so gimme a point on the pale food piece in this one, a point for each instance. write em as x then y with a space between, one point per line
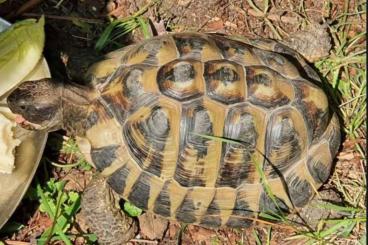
7 141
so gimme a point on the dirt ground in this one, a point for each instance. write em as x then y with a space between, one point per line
72 29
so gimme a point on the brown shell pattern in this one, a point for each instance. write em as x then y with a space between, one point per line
256 100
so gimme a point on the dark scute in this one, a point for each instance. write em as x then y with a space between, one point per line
254 80
312 73
185 213
263 79
231 174
238 222
322 119
132 83
318 170
180 73
155 129
240 215
241 208
117 179
151 47
267 205
225 44
304 69
211 221
300 191
189 44
187 178
114 108
176 79
104 156
212 216
199 123
140 192
334 142
317 120
270 104
270 58
92 119
162 204
158 123
225 74
217 73
279 135
243 131
213 208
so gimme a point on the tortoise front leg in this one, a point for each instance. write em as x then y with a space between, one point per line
100 207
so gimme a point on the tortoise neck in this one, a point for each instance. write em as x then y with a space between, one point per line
76 100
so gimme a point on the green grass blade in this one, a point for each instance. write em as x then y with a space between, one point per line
144 25
256 237
102 41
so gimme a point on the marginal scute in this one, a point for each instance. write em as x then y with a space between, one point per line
181 80
185 213
236 51
196 46
195 204
273 205
117 180
220 208
140 192
162 204
154 52
103 157
319 162
224 81
242 215
299 188
333 135
278 63
267 88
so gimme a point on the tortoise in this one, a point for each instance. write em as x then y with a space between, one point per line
192 127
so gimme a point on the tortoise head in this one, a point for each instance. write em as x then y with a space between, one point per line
38 104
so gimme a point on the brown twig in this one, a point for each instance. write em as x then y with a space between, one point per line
24 8
144 241
68 18
10 242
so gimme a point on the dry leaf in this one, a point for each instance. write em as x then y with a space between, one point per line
152 226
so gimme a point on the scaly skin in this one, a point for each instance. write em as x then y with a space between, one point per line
100 207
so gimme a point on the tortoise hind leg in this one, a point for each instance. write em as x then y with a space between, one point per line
100 207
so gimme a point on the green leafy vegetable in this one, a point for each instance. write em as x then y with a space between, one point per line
20 50
132 210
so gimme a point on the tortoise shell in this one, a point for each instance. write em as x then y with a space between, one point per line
188 125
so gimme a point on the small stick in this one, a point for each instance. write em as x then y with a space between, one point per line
9 242
25 7
143 241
